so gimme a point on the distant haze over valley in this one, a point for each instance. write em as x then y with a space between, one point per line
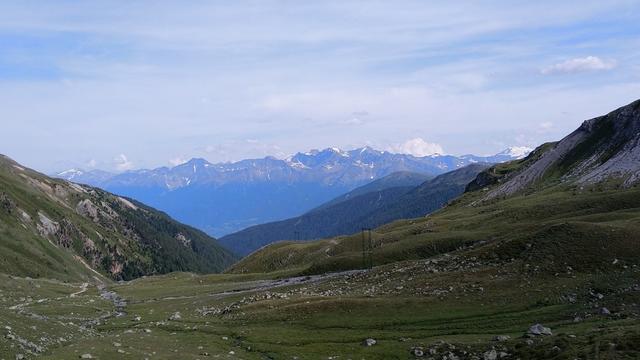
226 197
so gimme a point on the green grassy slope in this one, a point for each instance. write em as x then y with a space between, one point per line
452 306
554 220
55 229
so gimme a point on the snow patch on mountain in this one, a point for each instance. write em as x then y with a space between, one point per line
339 152
70 174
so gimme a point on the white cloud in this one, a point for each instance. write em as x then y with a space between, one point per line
179 160
546 125
357 118
235 150
353 121
571 66
519 152
122 163
417 147
92 163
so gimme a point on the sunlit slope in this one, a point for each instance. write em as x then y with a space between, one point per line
56 229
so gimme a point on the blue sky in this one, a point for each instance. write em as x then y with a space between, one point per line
128 84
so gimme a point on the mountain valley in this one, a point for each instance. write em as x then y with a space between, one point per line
319 180
537 259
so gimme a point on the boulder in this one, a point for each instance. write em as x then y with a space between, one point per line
490 355
538 330
369 342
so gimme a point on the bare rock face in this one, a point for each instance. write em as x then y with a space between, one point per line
116 268
603 148
60 191
47 227
88 209
186 242
619 152
624 165
63 233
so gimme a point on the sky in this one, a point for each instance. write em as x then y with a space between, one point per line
120 85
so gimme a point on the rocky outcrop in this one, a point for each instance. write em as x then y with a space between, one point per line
618 153
6 203
601 149
46 226
88 209
186 242
538 329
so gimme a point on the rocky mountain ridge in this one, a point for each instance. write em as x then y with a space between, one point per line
604 150
330 166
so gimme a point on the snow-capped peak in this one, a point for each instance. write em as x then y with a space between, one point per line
367 149
71 173
517 152
339 151
294 163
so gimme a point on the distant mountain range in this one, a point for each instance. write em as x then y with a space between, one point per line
400 195
226 197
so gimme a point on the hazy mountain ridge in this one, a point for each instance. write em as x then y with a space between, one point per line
227 197
400 179
330 166
390 198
